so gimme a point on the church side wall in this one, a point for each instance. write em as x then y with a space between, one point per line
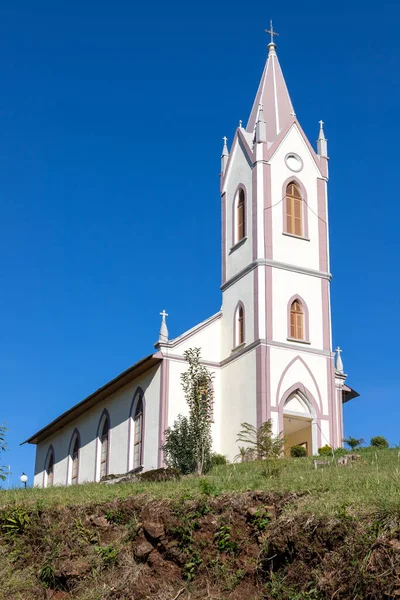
177 404
206 337
118 406
238 400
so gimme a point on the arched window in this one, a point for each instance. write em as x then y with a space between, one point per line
241 216
49 469
75 460
138 434
239 326
104 447
294 210
296 321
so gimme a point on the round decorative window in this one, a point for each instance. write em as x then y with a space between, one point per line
294 162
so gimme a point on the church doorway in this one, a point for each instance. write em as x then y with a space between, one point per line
299 424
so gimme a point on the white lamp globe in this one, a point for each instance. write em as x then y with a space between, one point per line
24 478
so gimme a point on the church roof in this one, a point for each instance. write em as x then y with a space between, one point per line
349 393
106 390
273 97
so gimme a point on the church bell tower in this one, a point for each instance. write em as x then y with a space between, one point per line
277 359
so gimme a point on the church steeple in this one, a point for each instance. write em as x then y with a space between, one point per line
322 142
273 95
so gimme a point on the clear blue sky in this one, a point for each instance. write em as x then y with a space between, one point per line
111 119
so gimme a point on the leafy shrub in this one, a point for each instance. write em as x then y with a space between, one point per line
224 541
188 443
273 468
207 487
108 554
379 442
353 442
261 439
14 522
114 516
47 576
325 450
179 447
218 459
298 451
190 568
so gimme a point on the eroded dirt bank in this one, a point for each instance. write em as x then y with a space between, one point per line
240 546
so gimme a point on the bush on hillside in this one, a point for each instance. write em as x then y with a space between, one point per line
353 442
179 448
218 459
298 451
325 450
261 440
379 442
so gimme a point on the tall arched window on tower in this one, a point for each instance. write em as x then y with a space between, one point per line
296 321
138 434
239 325
104 447
75 460
241 225
294 210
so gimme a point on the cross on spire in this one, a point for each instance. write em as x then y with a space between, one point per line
271 31
164 314
225 139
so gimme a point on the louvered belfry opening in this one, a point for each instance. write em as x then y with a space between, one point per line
294 212
296 321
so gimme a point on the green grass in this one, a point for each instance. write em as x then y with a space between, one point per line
373 483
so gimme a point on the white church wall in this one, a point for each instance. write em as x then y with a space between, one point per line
206 337
238 400
118 406
177 404
242 291
325 438
285 285
288 249
240 173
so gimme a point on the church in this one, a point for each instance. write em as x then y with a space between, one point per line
269 347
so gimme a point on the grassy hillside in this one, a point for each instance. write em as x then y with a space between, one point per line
249 530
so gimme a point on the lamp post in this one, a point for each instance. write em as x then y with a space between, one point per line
24 479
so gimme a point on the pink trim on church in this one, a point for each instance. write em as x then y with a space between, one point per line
163 419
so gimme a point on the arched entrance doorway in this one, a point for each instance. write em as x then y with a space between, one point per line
299 424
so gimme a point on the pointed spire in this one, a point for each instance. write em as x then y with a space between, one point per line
225 155
339 362
163 335
261 131
322 142
273 95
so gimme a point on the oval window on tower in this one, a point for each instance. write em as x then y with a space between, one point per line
294 162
